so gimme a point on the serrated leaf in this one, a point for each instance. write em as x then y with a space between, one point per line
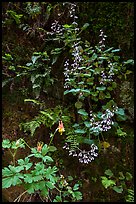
6 143
7 182
49 184
77 195
6 172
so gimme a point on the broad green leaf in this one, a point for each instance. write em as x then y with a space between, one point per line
52 148
37 178
128 176
34 58
130 61
85 26
121 176
7 182
80 131
107 182
6 172
44 150
49 184
87 124
117 189
77 195
82 112
120 111
28 178
88 141
76 187
47 158
78 104
101 88
6 143
108 172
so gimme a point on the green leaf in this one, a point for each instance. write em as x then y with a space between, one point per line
78 104
130 61
6 172
76 187
88 141
44 150
117 189
80 131
128 176
7 182
108 50
28 178
6 143
57 199
82 112
47 158
52 148
37 178
109 173
121 177
85 26
87 124
77 195
34 58
107 182
120 111
49 184
116 50
101 88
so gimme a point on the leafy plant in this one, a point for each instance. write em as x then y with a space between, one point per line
118 184
37 174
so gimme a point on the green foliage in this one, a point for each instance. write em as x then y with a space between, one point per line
130 196
38 175
117 183
47 117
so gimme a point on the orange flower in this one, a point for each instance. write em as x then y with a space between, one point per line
61 127
39 146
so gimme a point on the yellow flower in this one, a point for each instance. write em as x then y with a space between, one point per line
61 127
39 146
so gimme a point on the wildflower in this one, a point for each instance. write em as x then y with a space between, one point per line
61 127
39 146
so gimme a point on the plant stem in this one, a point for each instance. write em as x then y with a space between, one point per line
52 136
19 197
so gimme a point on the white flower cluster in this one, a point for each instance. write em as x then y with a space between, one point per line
102 39
109 76
56 28
104 124
83 155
